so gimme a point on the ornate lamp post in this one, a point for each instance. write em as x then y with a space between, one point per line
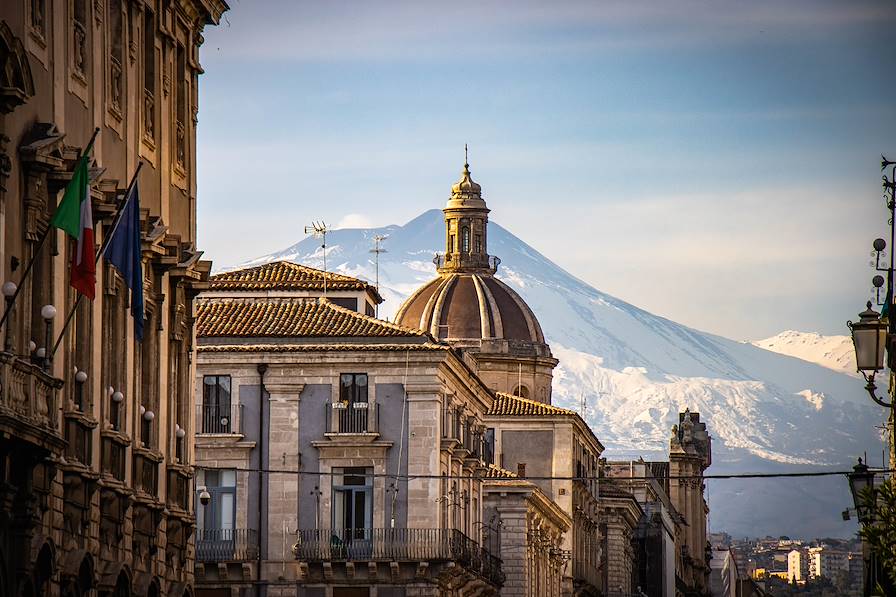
872 335
861 485
875 332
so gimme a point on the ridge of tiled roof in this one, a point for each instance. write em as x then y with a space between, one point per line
316 347
494 471
284 275
289 317
508 404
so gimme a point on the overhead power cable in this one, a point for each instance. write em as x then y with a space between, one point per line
408 477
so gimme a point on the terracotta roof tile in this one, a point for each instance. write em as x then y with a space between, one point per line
285 275
332 347
507 404
289 318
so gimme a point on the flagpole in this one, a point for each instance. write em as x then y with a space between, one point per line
40 244
106 240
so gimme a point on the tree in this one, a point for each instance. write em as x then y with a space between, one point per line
880 533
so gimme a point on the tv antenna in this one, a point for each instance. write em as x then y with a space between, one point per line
320 229
376 250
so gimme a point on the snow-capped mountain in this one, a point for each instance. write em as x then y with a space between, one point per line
833 352
635 371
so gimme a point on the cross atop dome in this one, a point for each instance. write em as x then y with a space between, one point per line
466 192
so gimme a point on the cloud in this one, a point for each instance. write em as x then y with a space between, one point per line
354 221
462 30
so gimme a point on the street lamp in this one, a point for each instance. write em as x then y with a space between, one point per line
48 312
861 484
869 337
9 291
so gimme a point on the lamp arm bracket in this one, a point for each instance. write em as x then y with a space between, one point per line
871 388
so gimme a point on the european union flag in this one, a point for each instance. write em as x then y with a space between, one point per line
123 252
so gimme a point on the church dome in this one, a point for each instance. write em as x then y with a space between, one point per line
463 307
467 306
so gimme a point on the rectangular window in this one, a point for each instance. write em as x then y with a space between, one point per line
79 37
39 17
216 537
353 502
181 109
216 404
353 411
353 387
116 56
149 73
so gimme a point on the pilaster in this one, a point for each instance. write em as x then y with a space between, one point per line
282 464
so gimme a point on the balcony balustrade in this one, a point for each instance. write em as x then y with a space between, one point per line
353 417
28 395
146 474
395 545
226 545
80 442
443 261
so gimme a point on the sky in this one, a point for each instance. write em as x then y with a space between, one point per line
716 163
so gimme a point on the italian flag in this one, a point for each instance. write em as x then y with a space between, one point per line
75 216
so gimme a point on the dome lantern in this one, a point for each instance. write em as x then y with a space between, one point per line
466 228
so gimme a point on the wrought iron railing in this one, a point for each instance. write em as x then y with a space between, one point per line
390 545
146 474
113 458
226 545
80 442
471 259
353 417
219 418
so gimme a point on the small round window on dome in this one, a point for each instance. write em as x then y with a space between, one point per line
521 391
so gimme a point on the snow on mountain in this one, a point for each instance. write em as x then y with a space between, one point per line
635 371
833 352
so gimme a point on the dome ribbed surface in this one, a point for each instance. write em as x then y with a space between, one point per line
470 306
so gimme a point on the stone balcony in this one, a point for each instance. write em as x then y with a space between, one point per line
397 556
29 400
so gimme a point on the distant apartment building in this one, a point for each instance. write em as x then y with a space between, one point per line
797 566
828 562
723 575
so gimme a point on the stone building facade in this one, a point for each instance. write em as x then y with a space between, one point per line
94 445
528 529
561 454
690 453
342 455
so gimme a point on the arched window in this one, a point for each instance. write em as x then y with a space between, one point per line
521 391
465 239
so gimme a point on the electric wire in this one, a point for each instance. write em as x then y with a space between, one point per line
800 474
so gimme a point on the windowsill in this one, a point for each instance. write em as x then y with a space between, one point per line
82 417
116 436
148 453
